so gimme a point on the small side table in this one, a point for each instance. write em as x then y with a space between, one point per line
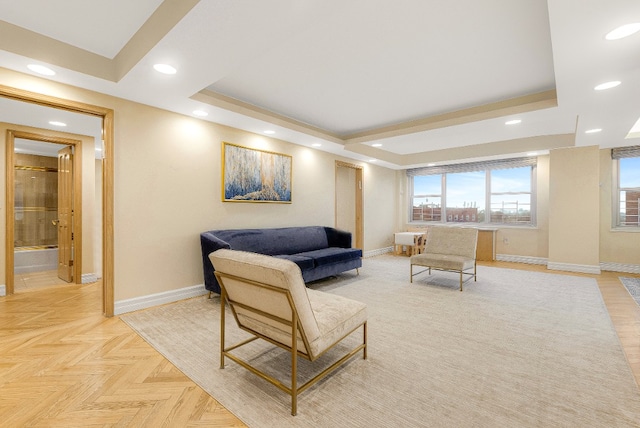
409 240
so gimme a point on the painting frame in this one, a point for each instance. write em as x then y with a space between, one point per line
254 175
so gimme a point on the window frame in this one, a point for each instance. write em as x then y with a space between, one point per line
616 155
486 168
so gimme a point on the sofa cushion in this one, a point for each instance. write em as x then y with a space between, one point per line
276 241
304 263
327 256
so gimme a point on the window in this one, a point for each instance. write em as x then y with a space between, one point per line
627 194
480 192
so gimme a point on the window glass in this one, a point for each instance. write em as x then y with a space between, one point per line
427 199
629 192
465 195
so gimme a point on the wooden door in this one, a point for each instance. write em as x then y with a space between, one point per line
65 214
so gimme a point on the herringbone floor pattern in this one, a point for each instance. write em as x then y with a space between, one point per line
62 364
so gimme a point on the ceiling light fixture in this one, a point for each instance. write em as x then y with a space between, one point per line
373 160
165 69
593 131
430 164
532 154
269 132
513 122
41 69
317 145
607 85
56 123
200 113
623 31
376 145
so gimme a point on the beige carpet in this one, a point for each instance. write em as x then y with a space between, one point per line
515 349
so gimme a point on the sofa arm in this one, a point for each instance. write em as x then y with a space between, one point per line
338 238
210 243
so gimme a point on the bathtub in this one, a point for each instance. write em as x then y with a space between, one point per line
36 260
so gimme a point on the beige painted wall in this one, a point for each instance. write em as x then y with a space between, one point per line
88 192
167 190
574 206
616 246
380 207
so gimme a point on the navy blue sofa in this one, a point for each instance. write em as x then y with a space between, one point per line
319 251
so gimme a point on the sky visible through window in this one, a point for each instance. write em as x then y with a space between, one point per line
630 172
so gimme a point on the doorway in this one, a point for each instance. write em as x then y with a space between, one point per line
43 202
106 117
349 201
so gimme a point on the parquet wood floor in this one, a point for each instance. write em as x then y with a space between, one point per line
63 364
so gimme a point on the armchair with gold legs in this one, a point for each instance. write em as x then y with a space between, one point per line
268 299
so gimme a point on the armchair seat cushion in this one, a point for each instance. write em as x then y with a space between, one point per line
336 316
443 261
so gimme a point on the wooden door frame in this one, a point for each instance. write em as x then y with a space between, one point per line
359 238
107 116
12 134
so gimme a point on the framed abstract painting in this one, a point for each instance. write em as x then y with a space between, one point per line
251 175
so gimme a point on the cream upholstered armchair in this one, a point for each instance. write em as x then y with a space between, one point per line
269 299
449 249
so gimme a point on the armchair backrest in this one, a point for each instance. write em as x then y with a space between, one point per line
458 241
262 292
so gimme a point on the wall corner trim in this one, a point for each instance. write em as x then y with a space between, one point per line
570 267
144 302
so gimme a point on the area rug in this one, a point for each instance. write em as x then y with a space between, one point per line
515 349
633 287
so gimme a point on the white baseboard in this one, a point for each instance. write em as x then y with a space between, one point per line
3 290
570 267
88 278
377 252
144 302
521 259
619 267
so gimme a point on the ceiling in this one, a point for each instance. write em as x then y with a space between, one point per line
426 81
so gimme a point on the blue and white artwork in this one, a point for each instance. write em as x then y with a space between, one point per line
251 175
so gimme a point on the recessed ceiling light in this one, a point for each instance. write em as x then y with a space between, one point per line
607 85
41 69
376 145
56 123
532 154
513 122
623 31
200 113
373 160
269 132
165 69
430 164
317 145
593 131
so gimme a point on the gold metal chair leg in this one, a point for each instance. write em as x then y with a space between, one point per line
222 320
294 369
